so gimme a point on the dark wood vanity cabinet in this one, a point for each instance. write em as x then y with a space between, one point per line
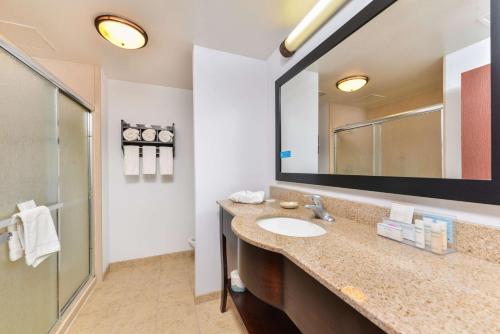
281 297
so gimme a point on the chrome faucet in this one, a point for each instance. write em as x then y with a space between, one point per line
318 209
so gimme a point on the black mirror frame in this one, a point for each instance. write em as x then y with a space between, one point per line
478 191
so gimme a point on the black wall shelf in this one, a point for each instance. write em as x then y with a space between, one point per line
156 142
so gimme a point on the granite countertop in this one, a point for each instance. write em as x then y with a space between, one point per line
400 288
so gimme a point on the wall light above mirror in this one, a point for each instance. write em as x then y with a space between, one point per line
425 115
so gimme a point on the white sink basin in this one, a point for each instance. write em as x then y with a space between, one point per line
291 227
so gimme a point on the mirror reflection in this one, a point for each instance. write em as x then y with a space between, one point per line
408 94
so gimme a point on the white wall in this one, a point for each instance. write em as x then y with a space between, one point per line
105 173
234 145
456 63
299 123
277 66
149 215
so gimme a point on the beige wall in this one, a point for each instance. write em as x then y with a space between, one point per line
423 99
342 115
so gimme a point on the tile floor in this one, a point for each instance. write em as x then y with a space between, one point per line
153 295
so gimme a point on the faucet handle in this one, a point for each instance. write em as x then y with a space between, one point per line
316 199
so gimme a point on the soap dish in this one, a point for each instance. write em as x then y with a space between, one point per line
289 205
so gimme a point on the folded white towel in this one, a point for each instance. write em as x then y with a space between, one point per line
248 197
165 136
236 282
148 135
166 161
37 234
16 250
131 160
148 160
131 134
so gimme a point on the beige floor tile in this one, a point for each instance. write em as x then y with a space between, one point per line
212 321
152 296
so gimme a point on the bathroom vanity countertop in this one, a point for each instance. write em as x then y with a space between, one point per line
400 288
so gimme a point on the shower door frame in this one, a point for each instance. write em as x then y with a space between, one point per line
376 123
66 312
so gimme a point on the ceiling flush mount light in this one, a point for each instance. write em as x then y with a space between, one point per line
317 16
353 83
121 32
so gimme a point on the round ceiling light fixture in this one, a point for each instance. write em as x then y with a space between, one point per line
352 83
121 32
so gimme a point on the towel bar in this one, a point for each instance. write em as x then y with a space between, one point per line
6 222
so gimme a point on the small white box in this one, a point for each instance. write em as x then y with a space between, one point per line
390 231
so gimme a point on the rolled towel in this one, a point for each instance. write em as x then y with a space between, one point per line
131 134
131 160
148 135
165 136
148 160
236 282
248 197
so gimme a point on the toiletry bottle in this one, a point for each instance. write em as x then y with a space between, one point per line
437 238
427 233
444 233
419 233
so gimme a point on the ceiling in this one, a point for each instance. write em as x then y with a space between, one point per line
65 30
402 57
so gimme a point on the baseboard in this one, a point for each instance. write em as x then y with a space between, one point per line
64 323
207 297
175 255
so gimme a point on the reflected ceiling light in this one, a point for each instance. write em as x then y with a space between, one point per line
317 16
121 32
352 83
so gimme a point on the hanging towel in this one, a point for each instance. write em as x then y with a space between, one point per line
16 250
148 160
166 161
37 234
131 160
148 135
248 197
165 136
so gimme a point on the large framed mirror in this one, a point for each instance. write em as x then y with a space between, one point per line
400 99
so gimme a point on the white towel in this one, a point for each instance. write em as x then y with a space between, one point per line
165 136
166 161
37 234
148 160
248 197
148 135
131 134
131 160
16 250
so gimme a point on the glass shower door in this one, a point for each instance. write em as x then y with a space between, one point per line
354 151
28 142
74 217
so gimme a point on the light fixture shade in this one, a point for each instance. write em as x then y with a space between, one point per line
352 83
322 11
121 32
